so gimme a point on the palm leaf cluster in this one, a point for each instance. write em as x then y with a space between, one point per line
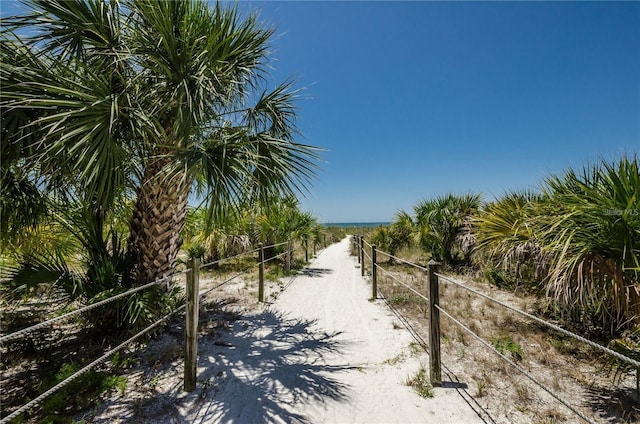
439 226
277 222
581 235
148 104
577 239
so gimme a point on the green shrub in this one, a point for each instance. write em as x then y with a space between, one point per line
506 344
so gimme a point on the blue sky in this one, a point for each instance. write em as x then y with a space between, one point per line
416 99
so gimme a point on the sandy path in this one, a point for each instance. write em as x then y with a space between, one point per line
321 353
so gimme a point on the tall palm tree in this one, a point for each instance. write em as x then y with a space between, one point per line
150 98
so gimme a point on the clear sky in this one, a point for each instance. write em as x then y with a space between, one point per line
417 99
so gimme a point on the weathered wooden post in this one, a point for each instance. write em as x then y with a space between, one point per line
362 256
374 273
434 324
357 252
261 273
306 251
191 326
287 258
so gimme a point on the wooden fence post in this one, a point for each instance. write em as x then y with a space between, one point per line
358 247
287 258
374 273
362 256
261 273
191 326
434 325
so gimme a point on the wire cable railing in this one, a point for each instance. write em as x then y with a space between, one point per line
516 366
20 333
557 328
35 402
435 304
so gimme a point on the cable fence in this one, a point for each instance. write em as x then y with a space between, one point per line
435 308
557 328
191 306
25 331
38 400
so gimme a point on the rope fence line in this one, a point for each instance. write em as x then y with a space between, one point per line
241 254
229 258
225 282
557 328
364 252
434 276
18 334
87 368
516 366
51 321
414 333
422 268
192 273
396 279
468 398
275 257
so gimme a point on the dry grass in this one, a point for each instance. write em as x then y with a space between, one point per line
576 373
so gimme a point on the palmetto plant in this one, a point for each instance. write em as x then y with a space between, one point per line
582 234
442 224
226 237
591 229
105 100
505 230
396 236
279 220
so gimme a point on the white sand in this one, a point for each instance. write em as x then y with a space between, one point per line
322 353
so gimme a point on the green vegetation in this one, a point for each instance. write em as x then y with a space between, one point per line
441 227
575 243
420 383
578 240
506 345
113 116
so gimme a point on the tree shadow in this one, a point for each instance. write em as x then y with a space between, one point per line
251 369
614 405
266 368
315 272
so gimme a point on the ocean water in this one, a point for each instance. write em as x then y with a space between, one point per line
356 224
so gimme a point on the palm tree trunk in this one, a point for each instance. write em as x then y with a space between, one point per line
158 218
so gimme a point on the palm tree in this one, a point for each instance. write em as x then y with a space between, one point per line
443 223
151 99
506 235
581 234
396 236
591 230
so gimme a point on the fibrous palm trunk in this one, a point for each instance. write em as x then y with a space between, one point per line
158 218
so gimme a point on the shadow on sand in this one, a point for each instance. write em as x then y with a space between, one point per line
252 369
315 272
268 367
614 405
